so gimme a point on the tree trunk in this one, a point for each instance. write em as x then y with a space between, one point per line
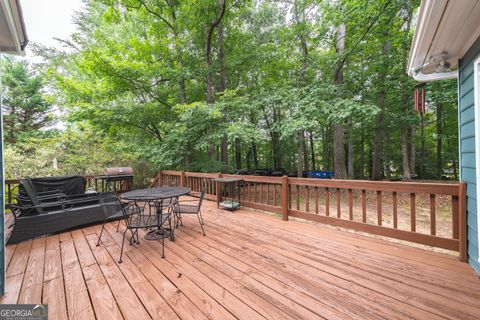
183 95
300 142
312 151
221 58
439 124
238 154
306 165
403 129
254 154
338 139
404 150
413 149
224 150
386 159
339 153
377 146
362 156
208 52
350 148
324 149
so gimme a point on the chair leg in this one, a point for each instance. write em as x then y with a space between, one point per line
163 247
172 230
201 224
123 243
118 224
201 217
101 232
179 219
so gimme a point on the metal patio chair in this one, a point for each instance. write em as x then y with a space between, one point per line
180 208
135 219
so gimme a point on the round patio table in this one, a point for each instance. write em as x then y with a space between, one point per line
156 194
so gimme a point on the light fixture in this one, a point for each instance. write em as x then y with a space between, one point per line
442 66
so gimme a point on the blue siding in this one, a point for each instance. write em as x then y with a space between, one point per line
466 124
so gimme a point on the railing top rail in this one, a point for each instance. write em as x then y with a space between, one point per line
201 174
172 172
412 187
259 179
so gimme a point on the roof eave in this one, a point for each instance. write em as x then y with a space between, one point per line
15 26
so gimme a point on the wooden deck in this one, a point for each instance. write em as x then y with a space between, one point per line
249 266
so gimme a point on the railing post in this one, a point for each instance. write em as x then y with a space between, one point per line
159 180
284 198
219 189
182 178
462 221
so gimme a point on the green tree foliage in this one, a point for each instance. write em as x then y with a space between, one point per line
25 108
173 84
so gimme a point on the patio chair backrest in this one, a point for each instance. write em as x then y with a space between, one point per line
111 205
26 185
202 196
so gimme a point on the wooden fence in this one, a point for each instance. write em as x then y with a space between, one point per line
346 203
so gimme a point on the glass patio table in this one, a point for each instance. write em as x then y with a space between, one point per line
157 196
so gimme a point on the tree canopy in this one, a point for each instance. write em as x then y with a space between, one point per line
234 85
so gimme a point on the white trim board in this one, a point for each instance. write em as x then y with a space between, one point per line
476 89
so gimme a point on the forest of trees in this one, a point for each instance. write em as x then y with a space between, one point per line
224 85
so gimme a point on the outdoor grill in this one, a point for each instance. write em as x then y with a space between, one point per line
119 179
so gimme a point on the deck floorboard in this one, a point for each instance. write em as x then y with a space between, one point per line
249 266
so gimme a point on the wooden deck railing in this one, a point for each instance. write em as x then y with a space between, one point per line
432 214
97 182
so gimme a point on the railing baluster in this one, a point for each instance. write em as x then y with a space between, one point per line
395 214
250 186
268 193
290 193
350 204
261 193
364 206
298 197
307 199
255 192
9 188
413 213
339 211
275 195
433 216
455 225
379 208
327 202
316 200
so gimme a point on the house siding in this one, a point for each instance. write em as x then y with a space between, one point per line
466 123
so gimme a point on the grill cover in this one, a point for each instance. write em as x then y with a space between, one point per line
69 185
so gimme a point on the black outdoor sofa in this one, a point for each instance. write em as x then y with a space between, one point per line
53 204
